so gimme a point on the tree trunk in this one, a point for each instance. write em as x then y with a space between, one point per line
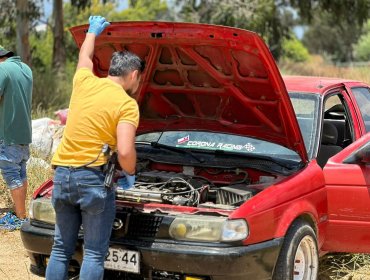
22 29
59 52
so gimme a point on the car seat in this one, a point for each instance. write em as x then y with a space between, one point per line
329 145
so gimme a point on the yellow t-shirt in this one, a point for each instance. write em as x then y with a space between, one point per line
97 106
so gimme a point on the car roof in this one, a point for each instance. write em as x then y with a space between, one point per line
313 84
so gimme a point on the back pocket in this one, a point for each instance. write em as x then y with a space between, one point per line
92 198
57 198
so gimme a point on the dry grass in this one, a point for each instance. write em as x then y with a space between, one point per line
345 267
36 173
316 66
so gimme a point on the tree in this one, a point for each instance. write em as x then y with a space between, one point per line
269 18
137 10
331 37
347 10
333 26
23 44
16 19
143 10
59 52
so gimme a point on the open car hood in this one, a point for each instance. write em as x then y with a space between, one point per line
203 77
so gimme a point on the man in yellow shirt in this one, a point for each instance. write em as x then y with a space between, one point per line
101 112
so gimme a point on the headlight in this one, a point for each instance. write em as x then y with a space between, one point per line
41 209
208 229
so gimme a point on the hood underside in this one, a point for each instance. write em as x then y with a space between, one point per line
203 77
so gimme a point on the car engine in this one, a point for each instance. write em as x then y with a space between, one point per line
186 190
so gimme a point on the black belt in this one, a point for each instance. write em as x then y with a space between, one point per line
100 168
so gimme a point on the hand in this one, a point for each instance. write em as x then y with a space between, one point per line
125 181
97 24
130 180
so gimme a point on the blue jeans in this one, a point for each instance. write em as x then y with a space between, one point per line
13 159
79 197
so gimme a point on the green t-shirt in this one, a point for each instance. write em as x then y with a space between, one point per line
15 101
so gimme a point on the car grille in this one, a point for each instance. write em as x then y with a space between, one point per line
136 225
143 225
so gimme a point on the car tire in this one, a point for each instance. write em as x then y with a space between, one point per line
298 258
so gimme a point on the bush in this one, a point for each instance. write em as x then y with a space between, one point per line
361 48
52 91
294 50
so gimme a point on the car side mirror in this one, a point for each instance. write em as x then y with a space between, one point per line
360 156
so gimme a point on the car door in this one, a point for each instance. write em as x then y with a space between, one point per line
348 195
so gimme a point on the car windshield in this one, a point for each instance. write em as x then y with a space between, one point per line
306 108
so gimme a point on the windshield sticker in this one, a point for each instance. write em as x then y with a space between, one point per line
186 143
249 147
183 140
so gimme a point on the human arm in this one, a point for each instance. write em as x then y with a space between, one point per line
97 25
126 147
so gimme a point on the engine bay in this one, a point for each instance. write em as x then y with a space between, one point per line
207 188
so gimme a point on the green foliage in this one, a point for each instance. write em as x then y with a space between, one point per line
42 48
352 11
52 92
138 10
8 14
294 50
362 49
331 37
142 10
333 26
261 16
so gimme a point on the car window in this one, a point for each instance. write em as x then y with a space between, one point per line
306 108
362 96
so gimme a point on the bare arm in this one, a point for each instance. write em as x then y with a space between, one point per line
97 25
86 52
126 147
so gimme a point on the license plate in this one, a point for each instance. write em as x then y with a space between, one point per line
123 260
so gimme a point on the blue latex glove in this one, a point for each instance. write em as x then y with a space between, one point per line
97 24
126 181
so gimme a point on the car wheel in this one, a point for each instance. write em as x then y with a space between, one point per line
298 258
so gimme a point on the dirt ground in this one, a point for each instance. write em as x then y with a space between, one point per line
15 263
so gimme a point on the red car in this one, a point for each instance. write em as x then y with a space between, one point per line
241 174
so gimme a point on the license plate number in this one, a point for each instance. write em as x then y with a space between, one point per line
124 260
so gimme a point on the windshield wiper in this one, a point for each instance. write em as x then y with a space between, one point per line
176 149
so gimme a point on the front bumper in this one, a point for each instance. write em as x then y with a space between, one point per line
213 261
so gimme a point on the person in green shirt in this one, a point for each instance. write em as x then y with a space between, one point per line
15 131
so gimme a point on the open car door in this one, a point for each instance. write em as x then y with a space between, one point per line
347 177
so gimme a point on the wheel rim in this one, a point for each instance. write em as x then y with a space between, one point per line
306 260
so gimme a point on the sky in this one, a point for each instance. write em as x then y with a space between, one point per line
48 6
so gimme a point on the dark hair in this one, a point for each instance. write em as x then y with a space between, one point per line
124 62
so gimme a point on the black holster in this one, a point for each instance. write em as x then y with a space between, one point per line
110 169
